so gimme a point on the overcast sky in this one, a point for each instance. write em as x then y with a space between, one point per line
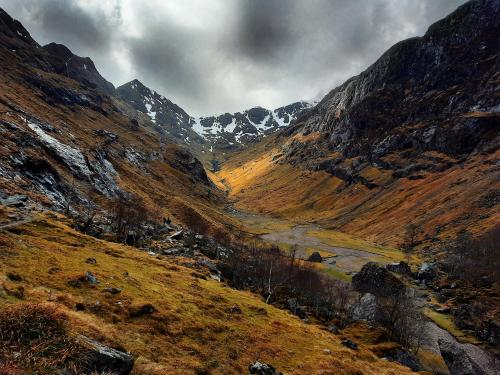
212 56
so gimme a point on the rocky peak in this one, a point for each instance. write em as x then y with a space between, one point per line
14 28
229 130
81 69
160 110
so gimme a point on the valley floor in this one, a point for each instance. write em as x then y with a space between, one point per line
342 254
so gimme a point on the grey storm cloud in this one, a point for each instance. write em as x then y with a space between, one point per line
213 56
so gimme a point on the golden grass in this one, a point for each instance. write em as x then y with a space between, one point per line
193 328
381 215
340 239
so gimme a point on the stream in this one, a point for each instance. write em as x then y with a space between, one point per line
350 261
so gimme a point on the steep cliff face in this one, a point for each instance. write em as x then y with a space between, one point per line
436 93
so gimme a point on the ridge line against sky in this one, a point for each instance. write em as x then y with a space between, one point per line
216 56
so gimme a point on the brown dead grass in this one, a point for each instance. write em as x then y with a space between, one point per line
191 328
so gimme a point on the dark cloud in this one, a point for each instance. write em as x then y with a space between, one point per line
225 55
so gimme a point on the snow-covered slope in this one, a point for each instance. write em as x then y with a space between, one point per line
247 126
228 130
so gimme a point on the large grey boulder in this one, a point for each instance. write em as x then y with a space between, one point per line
261 368
365 309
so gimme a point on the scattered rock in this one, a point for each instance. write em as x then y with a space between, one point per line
405 358
350 344
457 359
12 276
315 257
91 261
172 251
112 290
90 278
102 358
261 368
137 311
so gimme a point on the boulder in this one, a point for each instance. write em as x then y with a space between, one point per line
315 257
261 368
377 280
350 344
90 278
427 272
457 359
112 290
295 309
177 235
102 358
365 309
332 328
401 267
406 359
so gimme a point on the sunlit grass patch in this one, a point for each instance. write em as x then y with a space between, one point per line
340 239
446 322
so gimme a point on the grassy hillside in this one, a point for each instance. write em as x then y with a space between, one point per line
439 203
196 325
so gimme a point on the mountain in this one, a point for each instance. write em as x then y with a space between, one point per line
209 133
412 140
436 93
81 69
78 167
67 139
229 130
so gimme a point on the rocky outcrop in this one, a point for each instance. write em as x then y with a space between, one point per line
457 359
377 280
365 309
101 358
430 93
